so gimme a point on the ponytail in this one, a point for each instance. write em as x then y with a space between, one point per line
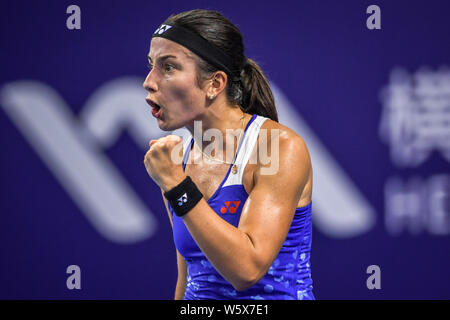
257 97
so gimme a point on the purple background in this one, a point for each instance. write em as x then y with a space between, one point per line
320 53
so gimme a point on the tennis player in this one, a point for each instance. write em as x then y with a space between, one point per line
241 226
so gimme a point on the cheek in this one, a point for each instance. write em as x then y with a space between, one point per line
184 97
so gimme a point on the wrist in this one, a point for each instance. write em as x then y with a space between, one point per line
172 182
183 197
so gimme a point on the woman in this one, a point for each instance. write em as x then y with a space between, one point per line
240 232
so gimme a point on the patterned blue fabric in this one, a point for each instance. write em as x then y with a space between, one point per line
289 277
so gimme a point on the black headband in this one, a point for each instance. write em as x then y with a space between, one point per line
199 46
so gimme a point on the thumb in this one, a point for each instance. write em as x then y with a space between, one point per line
152 142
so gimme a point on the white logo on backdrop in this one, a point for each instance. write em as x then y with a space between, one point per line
416 116
415 123
72 149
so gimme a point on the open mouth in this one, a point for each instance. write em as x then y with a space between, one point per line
156 108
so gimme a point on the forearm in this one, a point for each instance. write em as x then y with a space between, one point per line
180 289
229 250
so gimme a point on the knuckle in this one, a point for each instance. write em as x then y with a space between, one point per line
165 145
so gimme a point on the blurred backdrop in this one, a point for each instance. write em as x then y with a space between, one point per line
373 105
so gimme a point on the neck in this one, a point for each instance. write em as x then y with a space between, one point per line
219 131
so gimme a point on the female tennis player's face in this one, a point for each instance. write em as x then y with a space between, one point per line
173 90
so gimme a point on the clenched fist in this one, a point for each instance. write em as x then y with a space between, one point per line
162 161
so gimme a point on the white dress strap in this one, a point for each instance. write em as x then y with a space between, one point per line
245 151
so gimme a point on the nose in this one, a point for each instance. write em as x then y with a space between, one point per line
150 83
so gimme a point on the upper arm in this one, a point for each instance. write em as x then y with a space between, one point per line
270 207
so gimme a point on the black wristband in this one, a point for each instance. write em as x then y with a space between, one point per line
183 197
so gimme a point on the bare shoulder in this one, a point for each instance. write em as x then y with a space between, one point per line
290 161
290 143
287 162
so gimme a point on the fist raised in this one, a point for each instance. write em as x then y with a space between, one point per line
163 161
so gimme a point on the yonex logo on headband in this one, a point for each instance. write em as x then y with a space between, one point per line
163 28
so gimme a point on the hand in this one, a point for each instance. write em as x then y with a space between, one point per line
162 161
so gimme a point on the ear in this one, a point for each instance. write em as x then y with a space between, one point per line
216 84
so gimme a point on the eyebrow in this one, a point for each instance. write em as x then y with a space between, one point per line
163 58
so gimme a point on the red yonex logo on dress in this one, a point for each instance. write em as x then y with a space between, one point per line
229 209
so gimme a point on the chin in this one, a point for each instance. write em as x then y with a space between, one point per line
164 126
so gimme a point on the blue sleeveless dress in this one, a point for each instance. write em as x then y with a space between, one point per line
289 277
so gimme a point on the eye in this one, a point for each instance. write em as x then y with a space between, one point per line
149 65
168 67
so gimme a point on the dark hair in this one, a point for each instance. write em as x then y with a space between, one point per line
251 91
